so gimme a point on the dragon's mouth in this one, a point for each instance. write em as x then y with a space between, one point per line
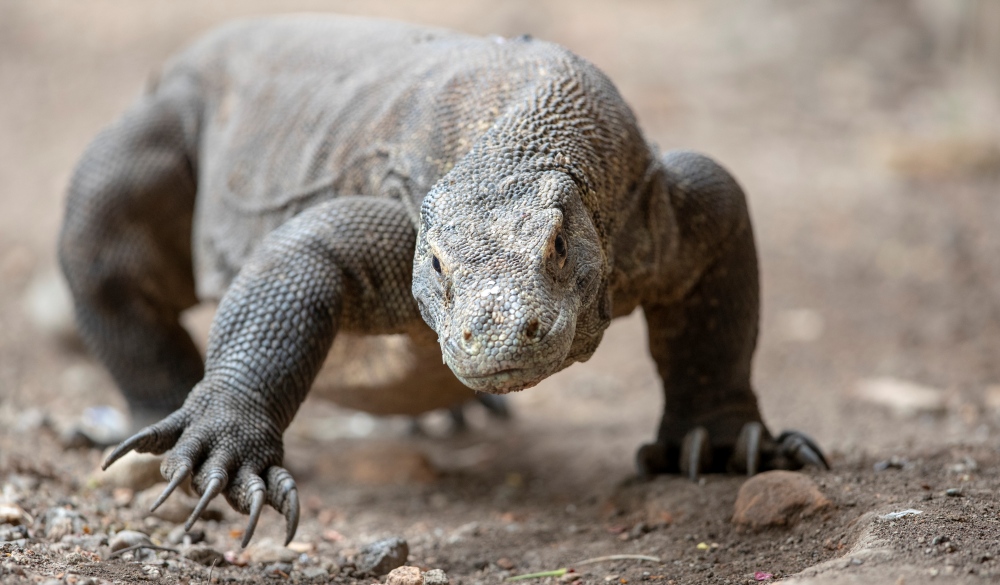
501 381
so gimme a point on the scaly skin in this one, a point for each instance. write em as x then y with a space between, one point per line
325 175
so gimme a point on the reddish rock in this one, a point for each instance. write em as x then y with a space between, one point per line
777 498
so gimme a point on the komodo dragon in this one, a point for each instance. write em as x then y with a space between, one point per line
487 201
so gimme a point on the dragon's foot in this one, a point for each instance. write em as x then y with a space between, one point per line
754 451
222 454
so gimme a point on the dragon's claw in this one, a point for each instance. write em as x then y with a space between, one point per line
176 479
754 451
696 453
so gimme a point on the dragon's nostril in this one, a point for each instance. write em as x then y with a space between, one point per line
532 328
467 335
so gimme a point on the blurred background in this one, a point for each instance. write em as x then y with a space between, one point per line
866 134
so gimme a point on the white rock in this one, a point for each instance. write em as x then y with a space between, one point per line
901 514
900 396
12 514
404 576
435 577
267 551
127 538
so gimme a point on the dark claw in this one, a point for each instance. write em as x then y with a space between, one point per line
802 449
292 514
135 441
747 451
651 459
696 453
284 497
213 488
256 506
175 481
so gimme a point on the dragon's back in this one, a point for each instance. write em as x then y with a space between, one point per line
295 110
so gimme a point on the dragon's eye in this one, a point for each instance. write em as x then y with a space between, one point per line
436 264
560 246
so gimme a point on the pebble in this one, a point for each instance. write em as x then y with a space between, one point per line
404 576
315 573
75 558
12 514
953 492
278 569
102 425
61 521
777 498
901 514
205 555
382 556
127 538
436 577
179 536
135 471
894 462
266 552
10 532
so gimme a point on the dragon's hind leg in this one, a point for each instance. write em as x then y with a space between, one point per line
125 248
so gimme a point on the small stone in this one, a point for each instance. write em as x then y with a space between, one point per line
505 563
894 462
135 471
436 577
777 498
953 492
404 576
127 538
278 569
12 514
10 532
61 521
205 555
179 536
267 552
897 515
315 573
382 556
301 547
75 558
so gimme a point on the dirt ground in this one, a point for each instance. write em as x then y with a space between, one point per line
867 135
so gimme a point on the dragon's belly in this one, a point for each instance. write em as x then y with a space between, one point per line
378 374
387 374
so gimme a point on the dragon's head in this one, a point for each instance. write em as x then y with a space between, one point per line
512 277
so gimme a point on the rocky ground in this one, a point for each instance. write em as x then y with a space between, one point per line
866 135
